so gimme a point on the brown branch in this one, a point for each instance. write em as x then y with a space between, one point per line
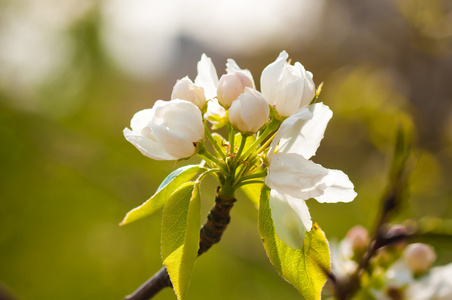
210 234
390 201
5 294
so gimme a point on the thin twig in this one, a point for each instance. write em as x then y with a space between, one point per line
390 201
210 234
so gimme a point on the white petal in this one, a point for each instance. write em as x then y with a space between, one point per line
399 275
339 188
142 119
231 66
214 109
301 134
437 284
271 76
294 175
147 146
177 127
309 86
291 218
207 77
175 143
291 127
290 92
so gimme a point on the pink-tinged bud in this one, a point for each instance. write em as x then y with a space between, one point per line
230 86
185 89
249 112
359 238
419 257
398 230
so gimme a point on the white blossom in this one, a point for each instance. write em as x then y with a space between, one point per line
169 130
290 171
287 88
249 112
435 285
207 77
185 89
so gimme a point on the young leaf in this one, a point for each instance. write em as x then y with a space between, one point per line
306 268
174 180
252 191
180 235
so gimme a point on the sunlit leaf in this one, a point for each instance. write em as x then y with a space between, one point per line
306 268
166 188
180 235
252 192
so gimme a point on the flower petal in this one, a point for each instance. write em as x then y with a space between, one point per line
177 126
294 175
207 77
291 127
174 142
231 66
271 76
291 218
141 121
302 132
339 188
147 146
214 109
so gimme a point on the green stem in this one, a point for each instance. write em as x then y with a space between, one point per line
204 174
214 143
203 153
253 176
231 139
237 155
248 182
267 143
270 128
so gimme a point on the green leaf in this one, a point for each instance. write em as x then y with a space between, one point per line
166 188
306 268
252 192
180 235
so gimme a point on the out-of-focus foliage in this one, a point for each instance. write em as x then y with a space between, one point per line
67 175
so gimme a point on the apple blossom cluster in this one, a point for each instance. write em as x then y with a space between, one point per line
399 271
271 136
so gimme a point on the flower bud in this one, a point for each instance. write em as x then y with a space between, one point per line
359 238
168 131
185 89
419 257
287 88
230 86
249 112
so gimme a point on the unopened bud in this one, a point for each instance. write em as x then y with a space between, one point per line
249 112
419 257
185 89
359 238
230 86
397 234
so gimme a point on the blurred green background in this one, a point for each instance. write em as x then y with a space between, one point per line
73 73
